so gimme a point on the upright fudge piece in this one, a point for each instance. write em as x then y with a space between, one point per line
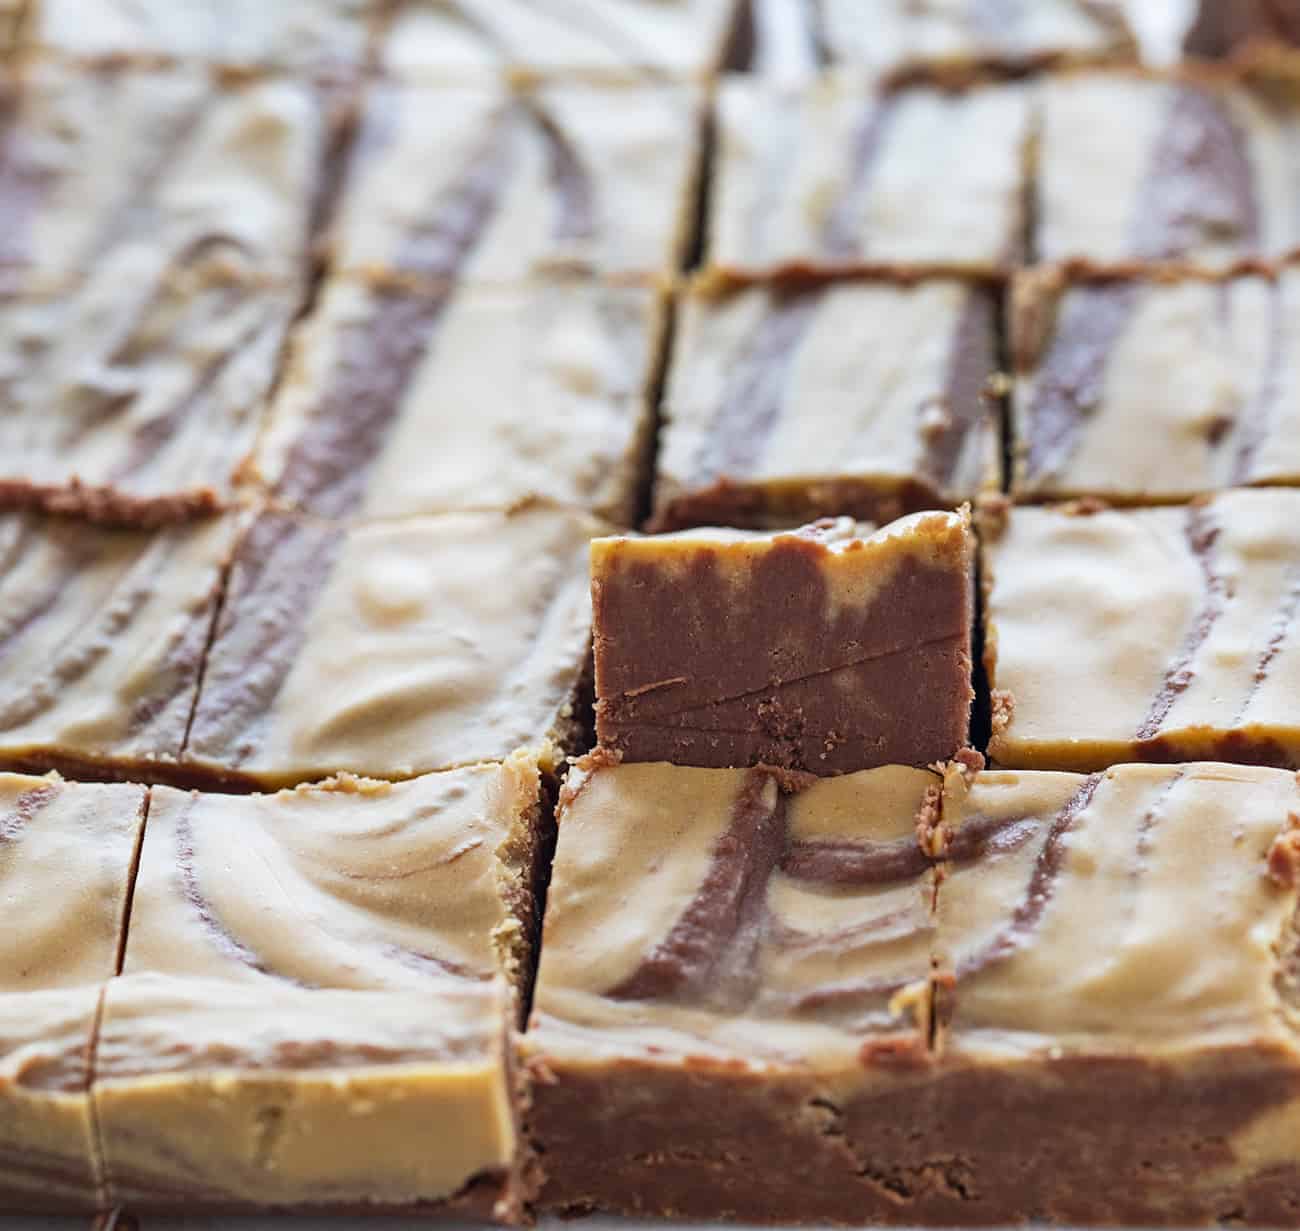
869 399
481 182
601 40
1134 170
828 649
394 648
102 635
1096 1067
833 177
1163 634
66 858
485 397
317 994
1147 391
902 39
1231 27
326 37
733 996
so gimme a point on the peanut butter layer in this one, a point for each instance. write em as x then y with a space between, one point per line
609 40
1242 27
733 985
1161 634
66 855
102 634
869 399
912 38
482 182
141 171
482 398
135 395
322 37
833 177
1096 1066
828 649
394 648
1141 169
1141 391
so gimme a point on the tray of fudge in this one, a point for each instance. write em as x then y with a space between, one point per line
649 609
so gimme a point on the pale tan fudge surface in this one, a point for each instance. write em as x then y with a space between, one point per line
66 854
488 397
1065 917
1134 168
1150 634
485 183
705 913
807 397
135 395
155 169
833 176
610 40
395 648
103 633
899 37
1137 391
320 36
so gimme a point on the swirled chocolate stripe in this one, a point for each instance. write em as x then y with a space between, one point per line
1257 420
840 239
23 809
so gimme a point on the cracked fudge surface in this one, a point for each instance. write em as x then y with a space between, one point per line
827 649
1148 391
411 400
1074 1005
66 856
732 993
1162 634
394 648
102 635
782 405
599 40
317 984
831 177
1134 170
482 182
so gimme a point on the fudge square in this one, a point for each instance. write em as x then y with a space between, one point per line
317 993
870 399
1163 634
102 638
66 858
487 396
1144 391
489 184
832 177
1117 1006
732 1007
1136 169
395 647
827 649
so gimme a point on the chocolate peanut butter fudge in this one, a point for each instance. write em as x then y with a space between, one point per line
834 177
102 635
1162 634
1145 391
394 648
827 649
1229 27
1137 169
485 183
733 995
325 37
870 399
1117 1005
66 858
316 995
609 40
155 168
404 400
